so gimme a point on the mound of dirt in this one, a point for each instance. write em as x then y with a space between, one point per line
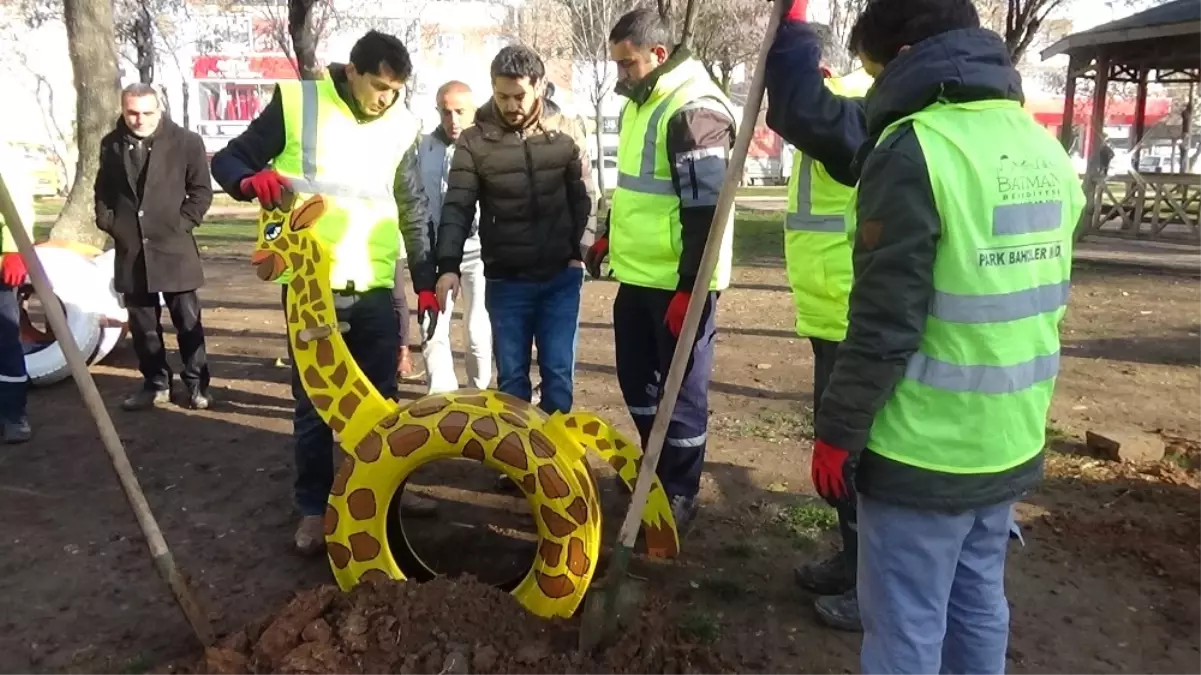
443 626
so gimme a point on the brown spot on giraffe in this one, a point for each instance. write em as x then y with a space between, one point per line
339 555
318 306
295 261
309 268
452 426
331 519
603 444
556 524
342 477
577 559
307 318
293 314
348 404
363 547
361 504
428 406
473 450
570 423
529 484
511 401
336 423
557 586
550 552
370 447
389 421
486 427
592 428
481 401
515 420
314 290
313 378
578 509
338 377
360 388
296 285
620 444
325 353
541 445
511 451
405 440
553 485
660 542
617 462
374 576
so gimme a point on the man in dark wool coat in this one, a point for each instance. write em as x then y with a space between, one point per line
153 188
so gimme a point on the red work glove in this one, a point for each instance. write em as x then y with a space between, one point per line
12 269
828 471
267 186
798 12
596 255
427 311
676 311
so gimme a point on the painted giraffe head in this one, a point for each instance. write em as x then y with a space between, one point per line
280 232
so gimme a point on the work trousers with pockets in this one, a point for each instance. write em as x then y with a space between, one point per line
932 588
477 329
372 341
824 353
14 381
146 328
546 312
644 346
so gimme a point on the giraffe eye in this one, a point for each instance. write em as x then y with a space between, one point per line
272 230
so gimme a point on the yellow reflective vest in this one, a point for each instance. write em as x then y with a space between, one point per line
817 252
644 220
352 164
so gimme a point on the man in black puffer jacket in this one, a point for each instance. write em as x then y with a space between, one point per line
530 174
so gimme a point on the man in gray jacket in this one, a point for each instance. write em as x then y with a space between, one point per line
435 151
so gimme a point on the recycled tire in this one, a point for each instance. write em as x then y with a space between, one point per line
76 282
114 322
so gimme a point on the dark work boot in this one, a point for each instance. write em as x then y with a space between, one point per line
683 510
17 432
833 576
840 611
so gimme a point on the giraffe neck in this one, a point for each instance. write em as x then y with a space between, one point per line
340 392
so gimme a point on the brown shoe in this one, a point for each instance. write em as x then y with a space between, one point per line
416 506
310 536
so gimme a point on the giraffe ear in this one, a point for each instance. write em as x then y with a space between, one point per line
308 213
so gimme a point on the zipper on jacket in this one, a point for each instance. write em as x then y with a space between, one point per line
534 211
696 193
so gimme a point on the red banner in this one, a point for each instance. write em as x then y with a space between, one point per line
243 68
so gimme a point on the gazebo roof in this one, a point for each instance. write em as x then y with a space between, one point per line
1178 20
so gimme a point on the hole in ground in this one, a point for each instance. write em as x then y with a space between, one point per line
479 528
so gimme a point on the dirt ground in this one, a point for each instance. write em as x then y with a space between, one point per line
1107 580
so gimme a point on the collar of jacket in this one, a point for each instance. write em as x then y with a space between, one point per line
337 73
958 66
492 123
165 126
667 74
439 134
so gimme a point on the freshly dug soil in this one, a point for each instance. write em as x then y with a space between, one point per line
443 626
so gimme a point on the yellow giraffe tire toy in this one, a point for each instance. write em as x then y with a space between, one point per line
386 443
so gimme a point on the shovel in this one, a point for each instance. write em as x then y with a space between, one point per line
617 597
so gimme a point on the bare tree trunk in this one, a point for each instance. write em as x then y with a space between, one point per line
601 200
186 101
91 42
304 38
143 44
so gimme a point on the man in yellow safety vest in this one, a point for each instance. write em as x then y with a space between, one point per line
349 138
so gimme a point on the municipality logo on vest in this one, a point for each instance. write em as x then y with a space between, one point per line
1027 180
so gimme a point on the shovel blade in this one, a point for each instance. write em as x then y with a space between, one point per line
608 610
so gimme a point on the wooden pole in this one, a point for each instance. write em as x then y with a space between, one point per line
1140 115
1069 106
163 559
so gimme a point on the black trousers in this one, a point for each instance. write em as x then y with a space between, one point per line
146 327
824 353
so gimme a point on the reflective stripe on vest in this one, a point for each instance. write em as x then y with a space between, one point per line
309 183
975 395
803 219
645 231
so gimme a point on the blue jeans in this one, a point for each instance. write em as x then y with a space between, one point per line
932 588
372 340
14 381
548 312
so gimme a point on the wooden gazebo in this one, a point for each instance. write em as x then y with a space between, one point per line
1161 45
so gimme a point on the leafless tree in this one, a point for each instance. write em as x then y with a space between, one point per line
727 35
91 43
843 14
297 28
591 21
